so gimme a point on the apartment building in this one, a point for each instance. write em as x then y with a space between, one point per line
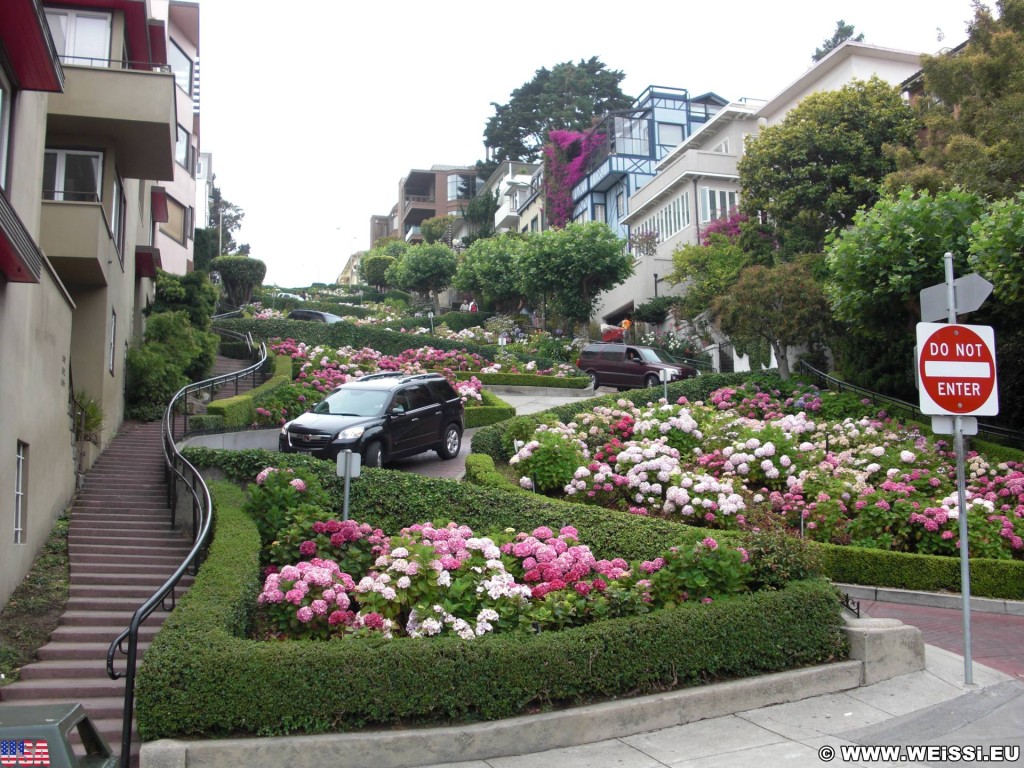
427 194
88 129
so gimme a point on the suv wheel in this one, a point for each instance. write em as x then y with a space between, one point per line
651 380
373 457
593 379
452 443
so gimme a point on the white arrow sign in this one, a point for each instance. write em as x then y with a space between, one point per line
970 291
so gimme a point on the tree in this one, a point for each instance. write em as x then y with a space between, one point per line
437 228
239 275
426 269
997 248
374 267
204 249
489 270
814 170
971 105
709 269
877 269
571 267
193 294
479 214
783 306
227 217
568 96
843 33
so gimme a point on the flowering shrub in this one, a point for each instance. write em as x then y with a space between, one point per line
430 580
748 457
280 497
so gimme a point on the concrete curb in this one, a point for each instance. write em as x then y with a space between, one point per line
509 389
513 736
932 599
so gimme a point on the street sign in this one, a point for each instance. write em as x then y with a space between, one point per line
957 369
970 292
946 425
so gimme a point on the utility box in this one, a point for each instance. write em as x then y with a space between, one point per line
46 735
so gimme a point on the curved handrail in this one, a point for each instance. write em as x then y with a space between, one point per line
1011 436
178 468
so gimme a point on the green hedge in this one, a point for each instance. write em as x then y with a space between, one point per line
525 380
201 676
480 471
493 410
236 350
240 411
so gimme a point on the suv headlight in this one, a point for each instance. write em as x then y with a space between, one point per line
284 428
351 433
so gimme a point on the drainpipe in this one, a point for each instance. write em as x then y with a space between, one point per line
696 210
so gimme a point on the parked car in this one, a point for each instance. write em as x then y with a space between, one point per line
313 315
381 416
292 296
628 366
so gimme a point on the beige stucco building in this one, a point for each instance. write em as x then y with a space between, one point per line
90 111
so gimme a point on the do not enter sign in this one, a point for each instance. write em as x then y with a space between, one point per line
956 365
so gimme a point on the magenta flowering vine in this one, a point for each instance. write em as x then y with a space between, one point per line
567 156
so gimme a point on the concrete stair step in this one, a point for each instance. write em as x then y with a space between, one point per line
66 651
99 707
140 567
123 551
105 603
112 618
152 581
140 591
68 669
80 634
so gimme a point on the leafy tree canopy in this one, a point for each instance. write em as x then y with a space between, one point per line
204 249
571 267
373 268
228 217
192 293
843 33
239 274
489 271
568 96
814 170
782 305
707 271
426 269
972 105
479 213
436 229
997 248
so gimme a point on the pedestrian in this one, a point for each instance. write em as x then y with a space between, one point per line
472 306
464 307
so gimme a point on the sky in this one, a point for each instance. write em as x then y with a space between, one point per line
313 112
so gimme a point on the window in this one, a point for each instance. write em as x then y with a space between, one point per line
113 340
535 224
183 147
620 205
81 37
599 213
461 186
72 175
722 148
20 492
181 66
6 95
191 227
175 226
670 135
716 203
117 216
631 136
670 220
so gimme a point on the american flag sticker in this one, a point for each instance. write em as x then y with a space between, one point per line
24 752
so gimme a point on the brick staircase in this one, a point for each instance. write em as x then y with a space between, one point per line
122 548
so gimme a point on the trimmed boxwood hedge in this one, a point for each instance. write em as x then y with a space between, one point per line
493 410
201 676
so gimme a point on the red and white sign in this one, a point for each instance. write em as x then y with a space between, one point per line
956 366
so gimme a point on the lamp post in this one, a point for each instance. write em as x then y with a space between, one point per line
655 285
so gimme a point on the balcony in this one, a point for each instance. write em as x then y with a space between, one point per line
133 109
76 238
507 216
413 234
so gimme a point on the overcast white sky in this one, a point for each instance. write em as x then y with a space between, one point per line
315 110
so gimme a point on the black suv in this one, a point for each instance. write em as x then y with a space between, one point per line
381 416
628 366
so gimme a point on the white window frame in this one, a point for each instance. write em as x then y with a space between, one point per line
118 213
60 172
725 201
69 55
20 492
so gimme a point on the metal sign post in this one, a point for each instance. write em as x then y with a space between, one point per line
664 373
348 467
956 371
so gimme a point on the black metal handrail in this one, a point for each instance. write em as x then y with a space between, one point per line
177 468
1010 437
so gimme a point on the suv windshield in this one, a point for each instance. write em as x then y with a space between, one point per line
354 402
